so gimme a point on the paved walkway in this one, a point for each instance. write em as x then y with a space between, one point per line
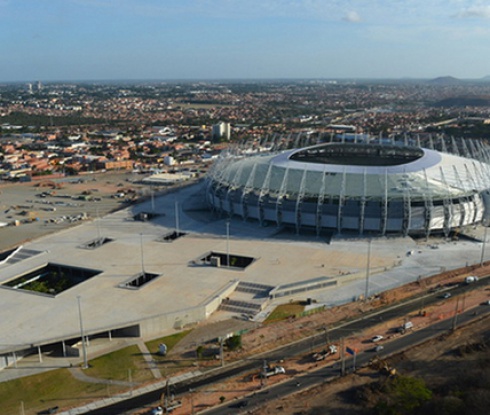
149 359
79 374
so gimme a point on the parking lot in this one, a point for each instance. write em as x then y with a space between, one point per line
30 210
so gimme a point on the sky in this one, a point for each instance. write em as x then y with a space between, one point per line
62 40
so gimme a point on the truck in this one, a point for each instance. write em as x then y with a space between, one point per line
405 326
332 349
274 370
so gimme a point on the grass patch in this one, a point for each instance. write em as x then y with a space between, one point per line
169 366
285 311
53 388
116 365
170 341
60 388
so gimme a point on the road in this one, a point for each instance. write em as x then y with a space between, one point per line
331 372
306 345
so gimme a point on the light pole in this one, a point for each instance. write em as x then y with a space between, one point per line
483 245
142 257
177 218
368 265
191 391
228 243
84 348
455 319
152 200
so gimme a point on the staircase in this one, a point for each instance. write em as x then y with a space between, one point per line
248 299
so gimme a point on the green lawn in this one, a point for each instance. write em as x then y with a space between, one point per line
285 311
170 341
54 388
167 365
116 366
60 388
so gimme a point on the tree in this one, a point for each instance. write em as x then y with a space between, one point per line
402 395
234 342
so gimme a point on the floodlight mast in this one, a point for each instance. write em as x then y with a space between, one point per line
228 243
177 217
84 346
368 266
483 245
142 256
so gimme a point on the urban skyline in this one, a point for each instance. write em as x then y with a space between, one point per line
250 39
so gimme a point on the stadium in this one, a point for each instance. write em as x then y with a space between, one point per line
374 188
169 263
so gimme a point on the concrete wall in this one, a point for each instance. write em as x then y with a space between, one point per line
159 325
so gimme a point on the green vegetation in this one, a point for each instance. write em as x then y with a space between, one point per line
169 366
51 282
402 395
116 366
234 342
282 312
169 341
54 388
60 388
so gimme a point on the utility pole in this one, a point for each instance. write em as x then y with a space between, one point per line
342 357
130 383
177 218
84 347
142 258
327 339
191 391
221 351
455 319
152 200
483 246
368 265
263 375
228 243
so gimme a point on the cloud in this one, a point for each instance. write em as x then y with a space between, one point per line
352 17
479 12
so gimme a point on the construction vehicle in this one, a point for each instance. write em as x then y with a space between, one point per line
167 401
274 370
382 366
318 356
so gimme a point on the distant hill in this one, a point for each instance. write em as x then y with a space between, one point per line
464 101
445 80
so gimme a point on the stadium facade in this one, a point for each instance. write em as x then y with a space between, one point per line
368 187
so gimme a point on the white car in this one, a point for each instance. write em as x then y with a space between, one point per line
157 411
377 338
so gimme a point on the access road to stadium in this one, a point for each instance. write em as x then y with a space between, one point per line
181 386
331 372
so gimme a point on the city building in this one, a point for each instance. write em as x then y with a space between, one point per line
221 131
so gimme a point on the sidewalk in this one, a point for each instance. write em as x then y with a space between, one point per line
134 392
